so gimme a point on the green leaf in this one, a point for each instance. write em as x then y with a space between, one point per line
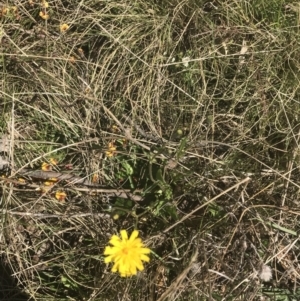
181 150
171 210
128 168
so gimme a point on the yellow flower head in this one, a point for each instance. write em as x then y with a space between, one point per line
60 196
111 150
46 166
4 11
126 253
53 161
64 27
45 4
72 59
95 178
50 181
44 15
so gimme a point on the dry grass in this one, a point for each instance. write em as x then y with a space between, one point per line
189 109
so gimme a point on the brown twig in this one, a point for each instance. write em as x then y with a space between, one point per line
48 215
72 179
46 175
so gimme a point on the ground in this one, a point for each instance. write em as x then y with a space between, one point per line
176 118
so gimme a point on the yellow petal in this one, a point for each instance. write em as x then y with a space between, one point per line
145 258
133 270
109 250
124 235
140 266
137 243
134 235
123 269
115 267
108 259
115 241
145 251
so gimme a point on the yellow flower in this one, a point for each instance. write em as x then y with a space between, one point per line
45 4
21 181
111 150
60 196
115 129
95 178
116 216
53 161
50 182
72 59
64 27
126 253
46 166
4 11
44 15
